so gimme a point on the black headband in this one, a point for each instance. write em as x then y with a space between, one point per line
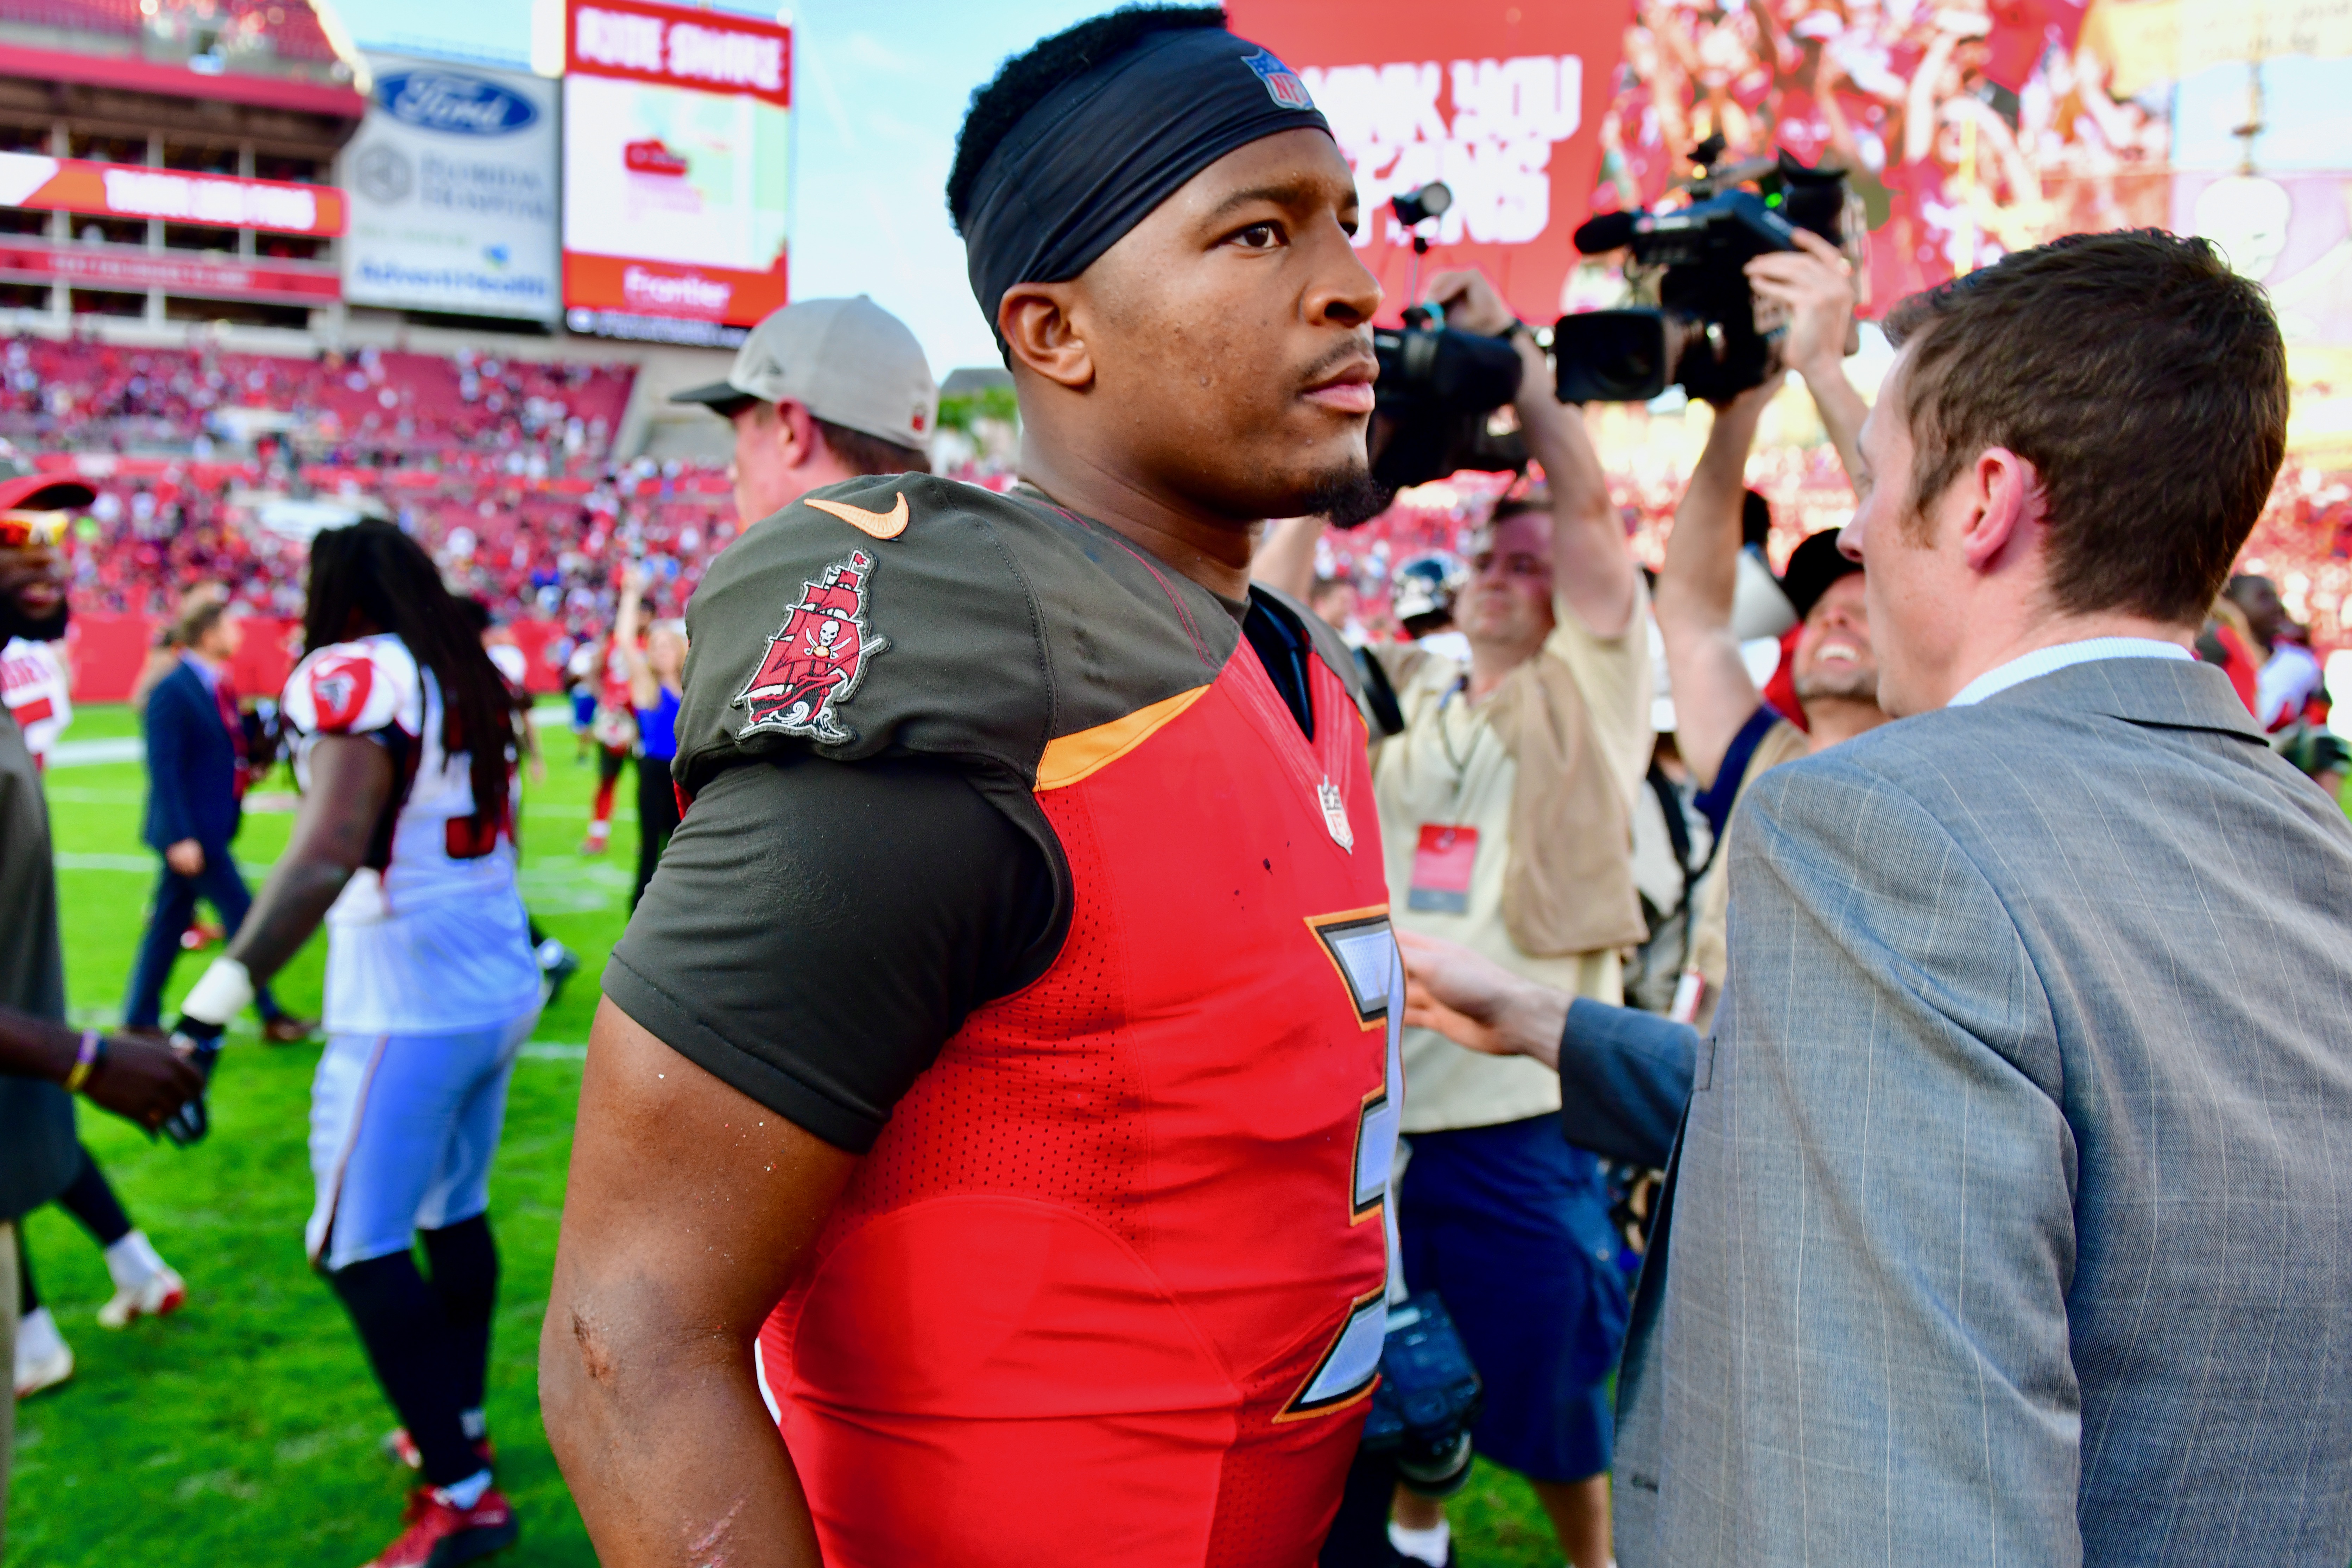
1097 155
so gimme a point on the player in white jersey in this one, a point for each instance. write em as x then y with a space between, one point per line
404 743
34 683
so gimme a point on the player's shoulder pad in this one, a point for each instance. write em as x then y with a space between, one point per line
354 688
907 613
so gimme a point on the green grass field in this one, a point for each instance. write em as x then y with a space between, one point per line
245 1428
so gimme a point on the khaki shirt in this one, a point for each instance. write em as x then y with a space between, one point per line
1449 769
1711 899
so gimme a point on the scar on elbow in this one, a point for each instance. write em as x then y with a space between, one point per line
705 1549
594 1360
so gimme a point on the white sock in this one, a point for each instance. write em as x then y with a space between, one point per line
474 1424
465 1494
133 1261
1423 1545
36 1336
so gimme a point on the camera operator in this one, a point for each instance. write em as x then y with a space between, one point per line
1726 733
1506 805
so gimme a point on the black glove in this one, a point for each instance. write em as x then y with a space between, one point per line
200 1043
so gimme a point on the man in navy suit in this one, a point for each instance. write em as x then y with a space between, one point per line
197 770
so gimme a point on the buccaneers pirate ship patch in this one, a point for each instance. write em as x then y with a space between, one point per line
816 658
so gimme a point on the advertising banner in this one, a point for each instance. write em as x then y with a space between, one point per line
119 267
129 190
453 180
1502 104
677 163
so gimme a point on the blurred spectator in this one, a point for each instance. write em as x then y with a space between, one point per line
656 668
2290 675
197 771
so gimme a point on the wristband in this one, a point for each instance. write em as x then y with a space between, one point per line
86 1060
216 998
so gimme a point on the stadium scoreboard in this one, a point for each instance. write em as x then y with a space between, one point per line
676 169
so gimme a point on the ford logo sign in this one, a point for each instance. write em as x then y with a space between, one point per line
461 105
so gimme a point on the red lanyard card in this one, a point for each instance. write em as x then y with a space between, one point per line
1442 863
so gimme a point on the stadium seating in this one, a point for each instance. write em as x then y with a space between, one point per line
503 468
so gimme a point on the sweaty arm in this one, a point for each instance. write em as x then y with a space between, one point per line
351 783
1881 1110
1714 694
814 934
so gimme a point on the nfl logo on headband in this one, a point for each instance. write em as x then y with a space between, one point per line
1281 83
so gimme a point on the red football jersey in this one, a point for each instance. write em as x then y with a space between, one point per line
1110 1283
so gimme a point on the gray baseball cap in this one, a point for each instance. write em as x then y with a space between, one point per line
849 362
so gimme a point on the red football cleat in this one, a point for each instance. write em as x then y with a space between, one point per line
440 1535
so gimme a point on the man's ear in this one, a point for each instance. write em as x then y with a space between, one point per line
796 434
1039 327
2005 510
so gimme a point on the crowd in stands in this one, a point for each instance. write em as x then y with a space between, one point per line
503 468
373 408
287 29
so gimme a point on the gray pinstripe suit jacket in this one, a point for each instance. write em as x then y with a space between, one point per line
2012 1222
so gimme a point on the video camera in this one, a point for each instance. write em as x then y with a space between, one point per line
1428 1399
1701 335
1439 385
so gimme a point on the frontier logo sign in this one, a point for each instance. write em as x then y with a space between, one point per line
676 132
669 293
1494 148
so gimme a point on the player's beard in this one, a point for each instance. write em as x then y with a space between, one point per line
16 623
1347 496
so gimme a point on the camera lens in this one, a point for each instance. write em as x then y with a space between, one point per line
1436 1472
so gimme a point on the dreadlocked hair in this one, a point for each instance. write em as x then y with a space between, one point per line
1024 79
370 577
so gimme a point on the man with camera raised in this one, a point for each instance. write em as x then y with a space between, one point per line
1505 803
1726 732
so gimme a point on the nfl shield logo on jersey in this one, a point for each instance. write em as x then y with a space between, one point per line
816 658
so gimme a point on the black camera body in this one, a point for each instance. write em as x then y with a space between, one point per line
1436 387
1428 1399
1701 335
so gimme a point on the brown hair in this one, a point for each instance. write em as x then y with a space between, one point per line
2144 380
195 620
866 454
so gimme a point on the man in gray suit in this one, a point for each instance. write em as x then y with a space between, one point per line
2011 1220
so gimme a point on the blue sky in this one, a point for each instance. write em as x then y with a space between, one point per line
881 89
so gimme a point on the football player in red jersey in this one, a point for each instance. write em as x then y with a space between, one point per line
995 1092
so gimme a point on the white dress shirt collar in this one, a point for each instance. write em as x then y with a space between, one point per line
2058 657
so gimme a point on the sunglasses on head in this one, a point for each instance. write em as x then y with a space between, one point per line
19 529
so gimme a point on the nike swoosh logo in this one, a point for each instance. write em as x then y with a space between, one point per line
880 524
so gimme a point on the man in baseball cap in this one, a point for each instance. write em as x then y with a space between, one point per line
823 391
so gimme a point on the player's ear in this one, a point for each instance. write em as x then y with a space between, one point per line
1044 334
